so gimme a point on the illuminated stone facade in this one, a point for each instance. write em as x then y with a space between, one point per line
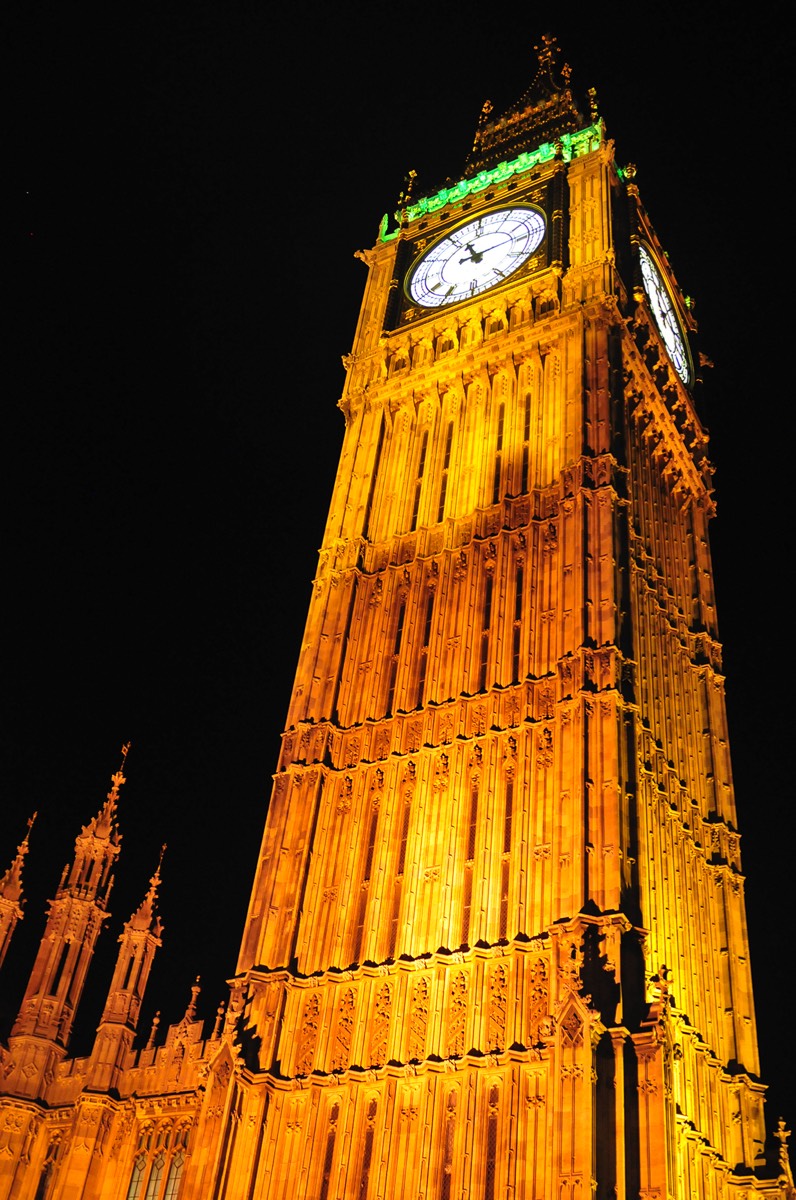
496 943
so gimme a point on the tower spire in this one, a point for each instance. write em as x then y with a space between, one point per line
76 915
544 112
138 941
11 902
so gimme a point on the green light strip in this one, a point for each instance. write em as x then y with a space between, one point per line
574 145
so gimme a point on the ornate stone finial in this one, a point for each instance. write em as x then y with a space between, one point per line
782 1134
153 1030
219 1019
592 94
190 1012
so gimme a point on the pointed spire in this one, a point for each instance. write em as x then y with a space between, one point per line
544 113
145 916
11 901
11 883
75 918
103 826
96 847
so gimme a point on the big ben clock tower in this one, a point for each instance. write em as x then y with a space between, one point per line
496 947
496 944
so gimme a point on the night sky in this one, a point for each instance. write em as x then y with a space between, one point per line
188 193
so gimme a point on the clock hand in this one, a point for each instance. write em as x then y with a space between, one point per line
474 255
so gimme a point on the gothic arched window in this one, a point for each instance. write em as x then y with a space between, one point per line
159 1162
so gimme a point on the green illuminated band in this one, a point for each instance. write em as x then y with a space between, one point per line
573 145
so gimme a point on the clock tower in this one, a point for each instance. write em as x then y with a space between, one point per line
496 944
496 947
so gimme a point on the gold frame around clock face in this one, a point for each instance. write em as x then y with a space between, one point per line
664 314
477 256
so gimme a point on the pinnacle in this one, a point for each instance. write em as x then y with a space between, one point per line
145 916
11 882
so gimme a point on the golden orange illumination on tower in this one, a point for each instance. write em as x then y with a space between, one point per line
496 945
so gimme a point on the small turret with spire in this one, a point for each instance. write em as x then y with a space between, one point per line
41 1032
11 902
138 942
544 112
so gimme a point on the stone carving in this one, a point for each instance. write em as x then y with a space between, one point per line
496 1017
345 1029
344 803
308 1037
457 1015
544 748
512 711
381 1024
538 999
418 1019
382 742
572 1030
570 1071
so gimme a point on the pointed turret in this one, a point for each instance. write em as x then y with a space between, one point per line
138 942
11 902
545 112
43 1026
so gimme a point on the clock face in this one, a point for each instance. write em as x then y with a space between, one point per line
665 316
476 256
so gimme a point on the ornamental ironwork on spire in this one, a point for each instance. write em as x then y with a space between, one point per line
545 111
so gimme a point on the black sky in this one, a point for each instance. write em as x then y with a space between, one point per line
188 193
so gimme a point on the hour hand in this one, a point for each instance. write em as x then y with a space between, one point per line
474 255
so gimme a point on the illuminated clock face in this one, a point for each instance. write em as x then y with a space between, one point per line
476 256
665 316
